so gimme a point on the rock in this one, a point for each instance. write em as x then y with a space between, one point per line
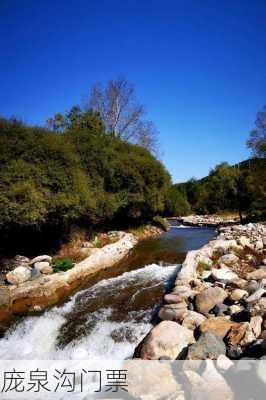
192 320
208 346
256 325
258 308
228 259
173 298
244 241
40 259
21 261
257 275
19 275
224 363
189 266
263 335
217 386
220 309
235 308
234 352
256 295
195 386
239 283
167 339
220 326
206 274
151 381
183 292
241 335
173 312
208 298
258 245
238 294
44 267
252 286
223 274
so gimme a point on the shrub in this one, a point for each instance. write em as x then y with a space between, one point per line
63 264
161 223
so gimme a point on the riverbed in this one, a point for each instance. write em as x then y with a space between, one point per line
114 312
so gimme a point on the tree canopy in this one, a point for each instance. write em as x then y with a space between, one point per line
82 174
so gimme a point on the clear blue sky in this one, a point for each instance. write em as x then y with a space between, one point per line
198 66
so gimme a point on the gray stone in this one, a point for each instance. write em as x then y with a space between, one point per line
208 346
173 312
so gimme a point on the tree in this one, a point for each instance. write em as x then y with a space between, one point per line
257 139
121 113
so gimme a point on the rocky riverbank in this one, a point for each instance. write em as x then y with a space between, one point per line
33 286
218 305
206 220
29 286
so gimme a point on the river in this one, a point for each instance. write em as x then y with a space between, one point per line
110 317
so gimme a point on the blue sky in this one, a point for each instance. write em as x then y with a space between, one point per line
199 67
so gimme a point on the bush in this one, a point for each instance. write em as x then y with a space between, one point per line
63 264
161 223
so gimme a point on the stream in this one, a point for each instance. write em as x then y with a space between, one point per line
109 318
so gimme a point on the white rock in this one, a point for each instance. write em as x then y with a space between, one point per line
238 294
224 363
44 267
224 274
40 259
18 275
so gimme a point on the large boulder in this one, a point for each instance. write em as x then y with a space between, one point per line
19 275
208 346
220 326
208 298
167 339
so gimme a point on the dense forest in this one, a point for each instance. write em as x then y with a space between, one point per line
240 188
97 167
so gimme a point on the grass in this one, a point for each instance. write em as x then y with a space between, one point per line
63 264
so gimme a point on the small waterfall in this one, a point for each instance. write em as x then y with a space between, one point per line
105 321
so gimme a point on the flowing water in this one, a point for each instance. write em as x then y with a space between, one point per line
110 317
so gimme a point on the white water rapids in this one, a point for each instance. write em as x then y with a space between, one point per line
96 325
